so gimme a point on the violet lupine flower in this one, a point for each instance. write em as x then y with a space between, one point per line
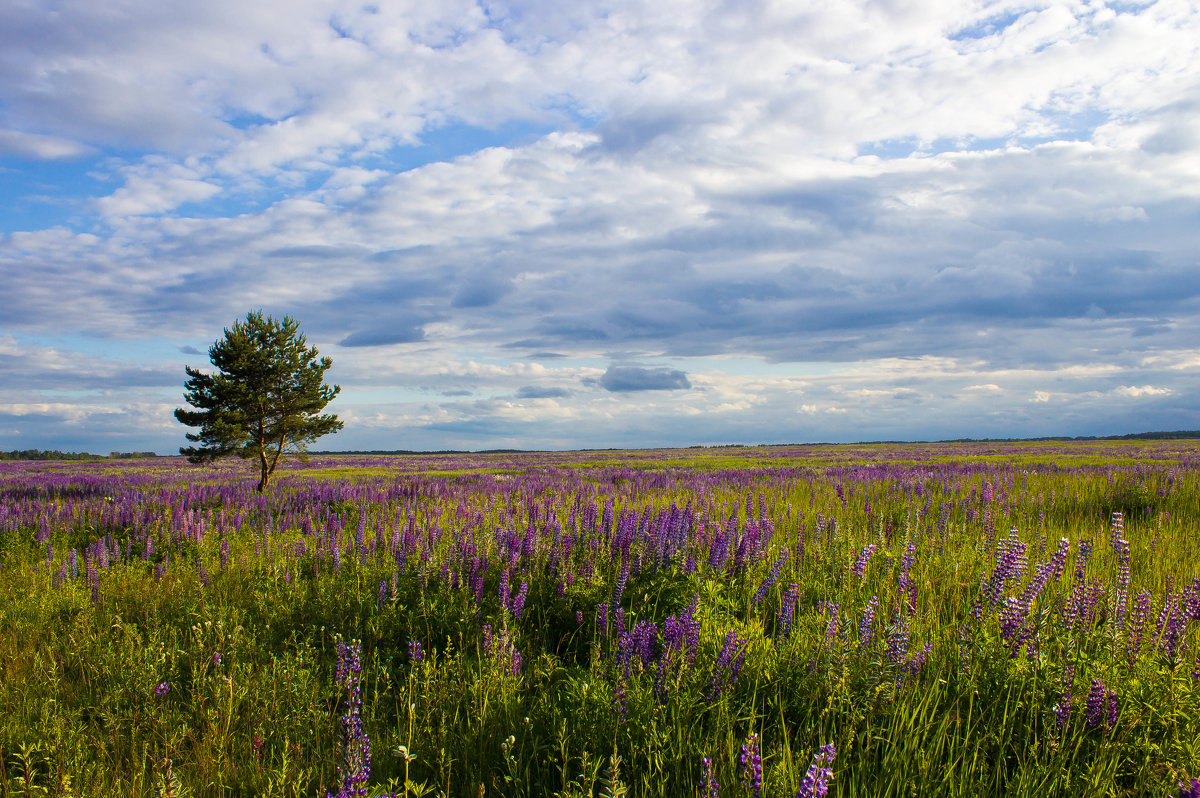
415 652
897 648
1101 706
770 580
815 783
708 783
728 664
1137 623
619 588
787 609
355 769
1116 531
1062 710
161 689
866 623
1189 790
1122 595
1172 626
863 558
831 628
518 601
1081 560
620 702
912 666
750 764
381 595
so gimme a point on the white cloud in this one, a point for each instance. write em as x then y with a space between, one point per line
855 190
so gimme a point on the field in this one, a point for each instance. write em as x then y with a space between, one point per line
878 620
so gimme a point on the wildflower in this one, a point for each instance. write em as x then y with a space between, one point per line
787 608
709 780
770 580
863 558
1189 790
161 689
728 664
415 652
816 781
865 623
1101 706
355 769
750 764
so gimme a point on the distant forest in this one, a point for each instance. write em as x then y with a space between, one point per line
38 454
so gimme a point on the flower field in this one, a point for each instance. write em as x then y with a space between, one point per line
903 619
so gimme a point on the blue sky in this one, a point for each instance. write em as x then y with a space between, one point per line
561 225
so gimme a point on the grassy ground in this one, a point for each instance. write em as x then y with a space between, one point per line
580 623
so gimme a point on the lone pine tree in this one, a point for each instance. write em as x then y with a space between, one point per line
265 399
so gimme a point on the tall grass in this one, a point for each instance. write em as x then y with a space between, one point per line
579 625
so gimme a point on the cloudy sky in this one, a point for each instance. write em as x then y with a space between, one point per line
539 224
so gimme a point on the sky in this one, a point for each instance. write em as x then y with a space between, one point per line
548 225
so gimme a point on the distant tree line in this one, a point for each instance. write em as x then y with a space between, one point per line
54 454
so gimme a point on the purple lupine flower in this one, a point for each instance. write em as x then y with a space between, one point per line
518 601
1081 560
897 647
415 652
620 702
161 689
381 595
619 588
831 627
787 609
1101 706
224 552
503 589
863 558
761 593
1137 624
728 664
1062 710
816 781
866 623
1116 531
579 617
1122 593
750 764
708 782
355 769
1172 626
216 659
1189 790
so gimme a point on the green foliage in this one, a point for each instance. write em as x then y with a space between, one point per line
266 398
253 706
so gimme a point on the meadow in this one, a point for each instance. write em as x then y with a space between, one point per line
877 620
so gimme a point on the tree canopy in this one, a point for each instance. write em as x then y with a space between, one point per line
265 399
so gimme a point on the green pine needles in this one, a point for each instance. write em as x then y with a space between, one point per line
266 398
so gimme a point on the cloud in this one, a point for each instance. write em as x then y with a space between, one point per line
34 145
1134 391
536 392
384 336
636 378
885 209
188 349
